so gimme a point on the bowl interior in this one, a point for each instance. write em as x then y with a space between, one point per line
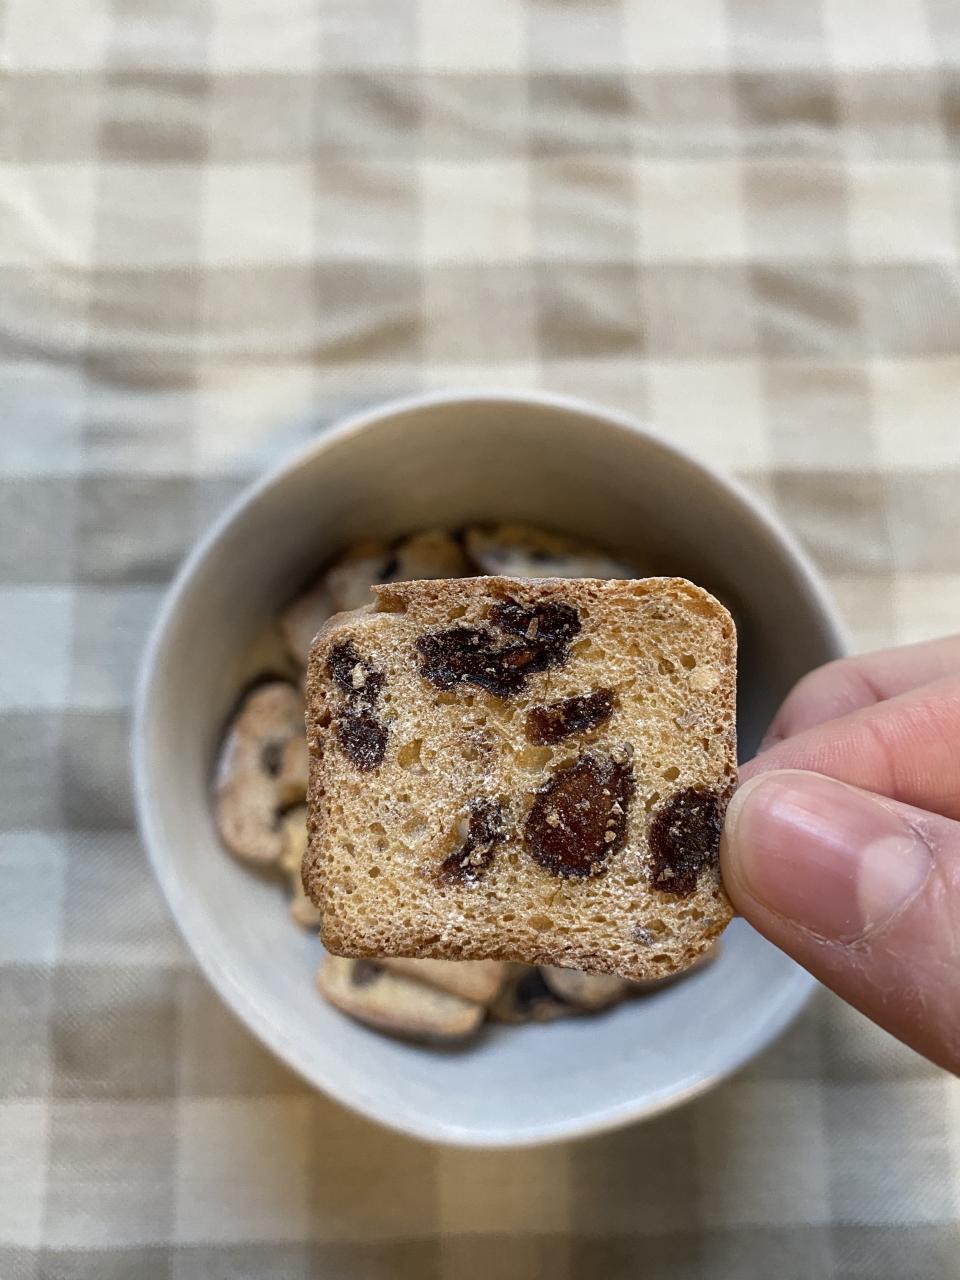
443 463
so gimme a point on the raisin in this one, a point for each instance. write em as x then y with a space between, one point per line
558 720
685 838
531 992
475 655
579 818
362 738
466 655
364 973
271 758
552 625
485 831
341 661
528 998
353 676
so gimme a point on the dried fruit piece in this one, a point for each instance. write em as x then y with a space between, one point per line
354 677
485 831
467 655
271 757
579 818
362 739
559 720
685 838
475 655
364 973
525 997
552 625
361 736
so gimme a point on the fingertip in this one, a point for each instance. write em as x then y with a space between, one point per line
834 860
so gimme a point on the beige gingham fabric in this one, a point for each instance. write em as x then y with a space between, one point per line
223 223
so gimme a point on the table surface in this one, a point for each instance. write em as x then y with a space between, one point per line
223 223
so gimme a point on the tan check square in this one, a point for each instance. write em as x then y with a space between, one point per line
242 1170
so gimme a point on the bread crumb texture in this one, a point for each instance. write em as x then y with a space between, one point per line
525 770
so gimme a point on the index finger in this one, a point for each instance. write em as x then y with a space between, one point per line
906 747
850 684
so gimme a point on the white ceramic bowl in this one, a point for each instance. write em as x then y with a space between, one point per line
442 461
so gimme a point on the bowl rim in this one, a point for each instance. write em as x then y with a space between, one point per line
795 994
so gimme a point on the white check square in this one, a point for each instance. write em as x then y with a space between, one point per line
472 35
927 606
109 1164
952 1084
715 410
682 37
476 212
47 215
250 35
914 412
148 214
875 35
690 211
258 214
60 35
903 212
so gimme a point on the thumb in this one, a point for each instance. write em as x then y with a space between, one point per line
861 890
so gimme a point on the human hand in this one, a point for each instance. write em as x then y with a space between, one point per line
842 845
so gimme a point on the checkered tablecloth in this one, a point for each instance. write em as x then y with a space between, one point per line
225 222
